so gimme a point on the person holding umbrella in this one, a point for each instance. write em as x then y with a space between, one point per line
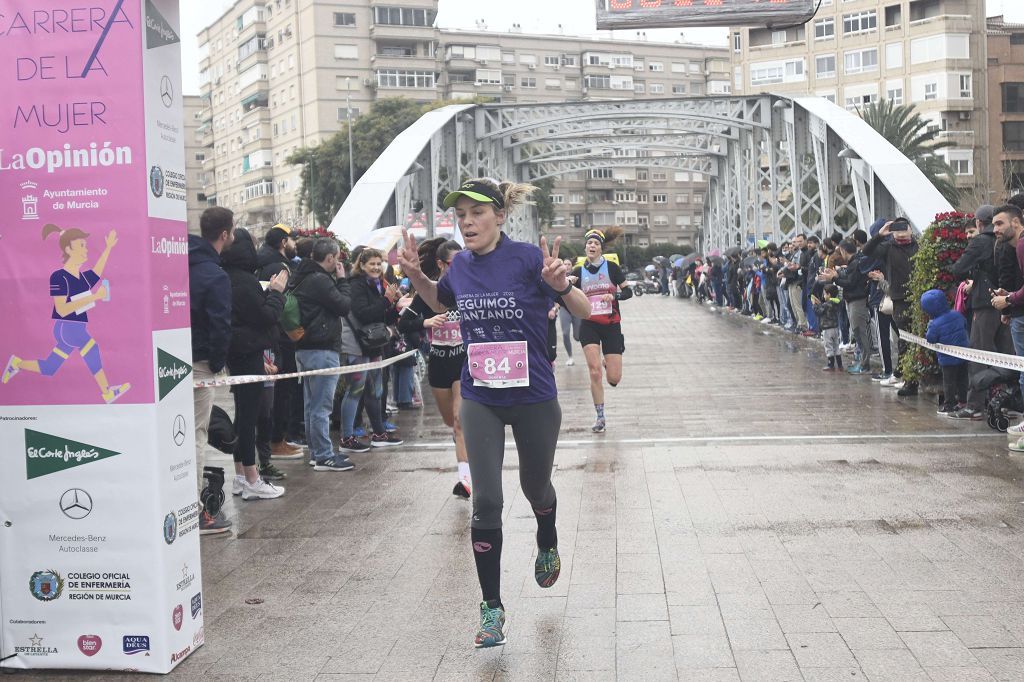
605 285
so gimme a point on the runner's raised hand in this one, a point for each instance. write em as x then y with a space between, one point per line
554 271
408 257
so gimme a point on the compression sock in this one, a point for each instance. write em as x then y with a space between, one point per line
487 554
547 536
600 410
839 361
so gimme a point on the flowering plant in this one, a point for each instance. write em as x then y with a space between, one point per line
321 231
939 248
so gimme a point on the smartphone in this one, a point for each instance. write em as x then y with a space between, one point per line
899 226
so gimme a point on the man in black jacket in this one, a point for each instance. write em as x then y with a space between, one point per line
276 256
893 247
210 313
978 264
323 294
854 283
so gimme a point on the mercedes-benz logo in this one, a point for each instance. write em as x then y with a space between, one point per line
76 503
166 91
179 430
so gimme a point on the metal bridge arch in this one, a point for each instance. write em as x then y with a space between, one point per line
775 165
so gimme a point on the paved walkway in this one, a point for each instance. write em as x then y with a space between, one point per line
745 517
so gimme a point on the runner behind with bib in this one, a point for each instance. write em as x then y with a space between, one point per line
447 354
604 285
503 290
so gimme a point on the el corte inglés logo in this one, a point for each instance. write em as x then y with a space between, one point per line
170 371
46 454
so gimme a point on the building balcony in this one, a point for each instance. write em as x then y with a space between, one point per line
254 114
399 32
777 46
259 89
390 61
259 204
950 23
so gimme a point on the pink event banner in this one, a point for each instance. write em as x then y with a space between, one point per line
85 274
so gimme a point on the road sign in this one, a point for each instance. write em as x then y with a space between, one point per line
640 14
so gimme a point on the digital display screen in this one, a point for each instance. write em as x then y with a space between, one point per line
640 14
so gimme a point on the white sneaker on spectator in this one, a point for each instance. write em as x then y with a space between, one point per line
899 384
891 382
260 490
570 362
1016 428
236 484
1016 446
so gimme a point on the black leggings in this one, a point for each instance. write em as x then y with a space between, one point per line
885 341
535 429
247 406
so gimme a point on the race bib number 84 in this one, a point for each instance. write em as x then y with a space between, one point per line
499 365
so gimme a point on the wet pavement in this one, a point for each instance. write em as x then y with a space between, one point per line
745 517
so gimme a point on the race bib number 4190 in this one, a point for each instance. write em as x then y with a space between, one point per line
499 365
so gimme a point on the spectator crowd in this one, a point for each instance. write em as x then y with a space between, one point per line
853 292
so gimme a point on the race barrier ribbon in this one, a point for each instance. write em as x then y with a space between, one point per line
260 378
982 357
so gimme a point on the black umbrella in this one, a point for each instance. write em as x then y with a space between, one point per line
675 256
733 251
716 260
661 260
748 261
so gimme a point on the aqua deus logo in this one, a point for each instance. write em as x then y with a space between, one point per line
170 371
46 454
135 644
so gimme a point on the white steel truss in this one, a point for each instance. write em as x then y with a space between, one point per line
775 166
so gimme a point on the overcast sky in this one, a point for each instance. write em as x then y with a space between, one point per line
541 16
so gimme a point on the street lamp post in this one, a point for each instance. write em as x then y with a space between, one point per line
351 163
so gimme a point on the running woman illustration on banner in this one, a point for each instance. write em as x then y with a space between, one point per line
71 288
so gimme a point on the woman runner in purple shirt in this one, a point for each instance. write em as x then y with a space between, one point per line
503 290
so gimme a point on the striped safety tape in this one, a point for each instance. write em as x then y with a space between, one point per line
260 378
982 357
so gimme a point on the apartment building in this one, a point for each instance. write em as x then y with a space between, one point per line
1006 110
278 75
195 156
853 52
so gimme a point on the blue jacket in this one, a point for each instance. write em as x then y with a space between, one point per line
947 326
209 292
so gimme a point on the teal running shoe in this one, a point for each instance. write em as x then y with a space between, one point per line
492 627
547 567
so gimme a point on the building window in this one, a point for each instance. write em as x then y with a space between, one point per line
1013 97
824 29
551 60
1013 136
600 173
660 198
344 19
893 15
895 95
346 52
860 22
659 176
737 42
825 66
403 16
965 85
931 91
557 198
641 174
655 66
597 82
861 61
893 55
679 88
397 78
657 88
962 166
528 82
1017 38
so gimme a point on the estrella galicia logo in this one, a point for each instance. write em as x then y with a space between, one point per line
156 181
197 604
46 585
170 528
135 644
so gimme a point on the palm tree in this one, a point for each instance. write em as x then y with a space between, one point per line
906 130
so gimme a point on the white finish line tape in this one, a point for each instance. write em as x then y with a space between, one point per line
260 378
982 357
